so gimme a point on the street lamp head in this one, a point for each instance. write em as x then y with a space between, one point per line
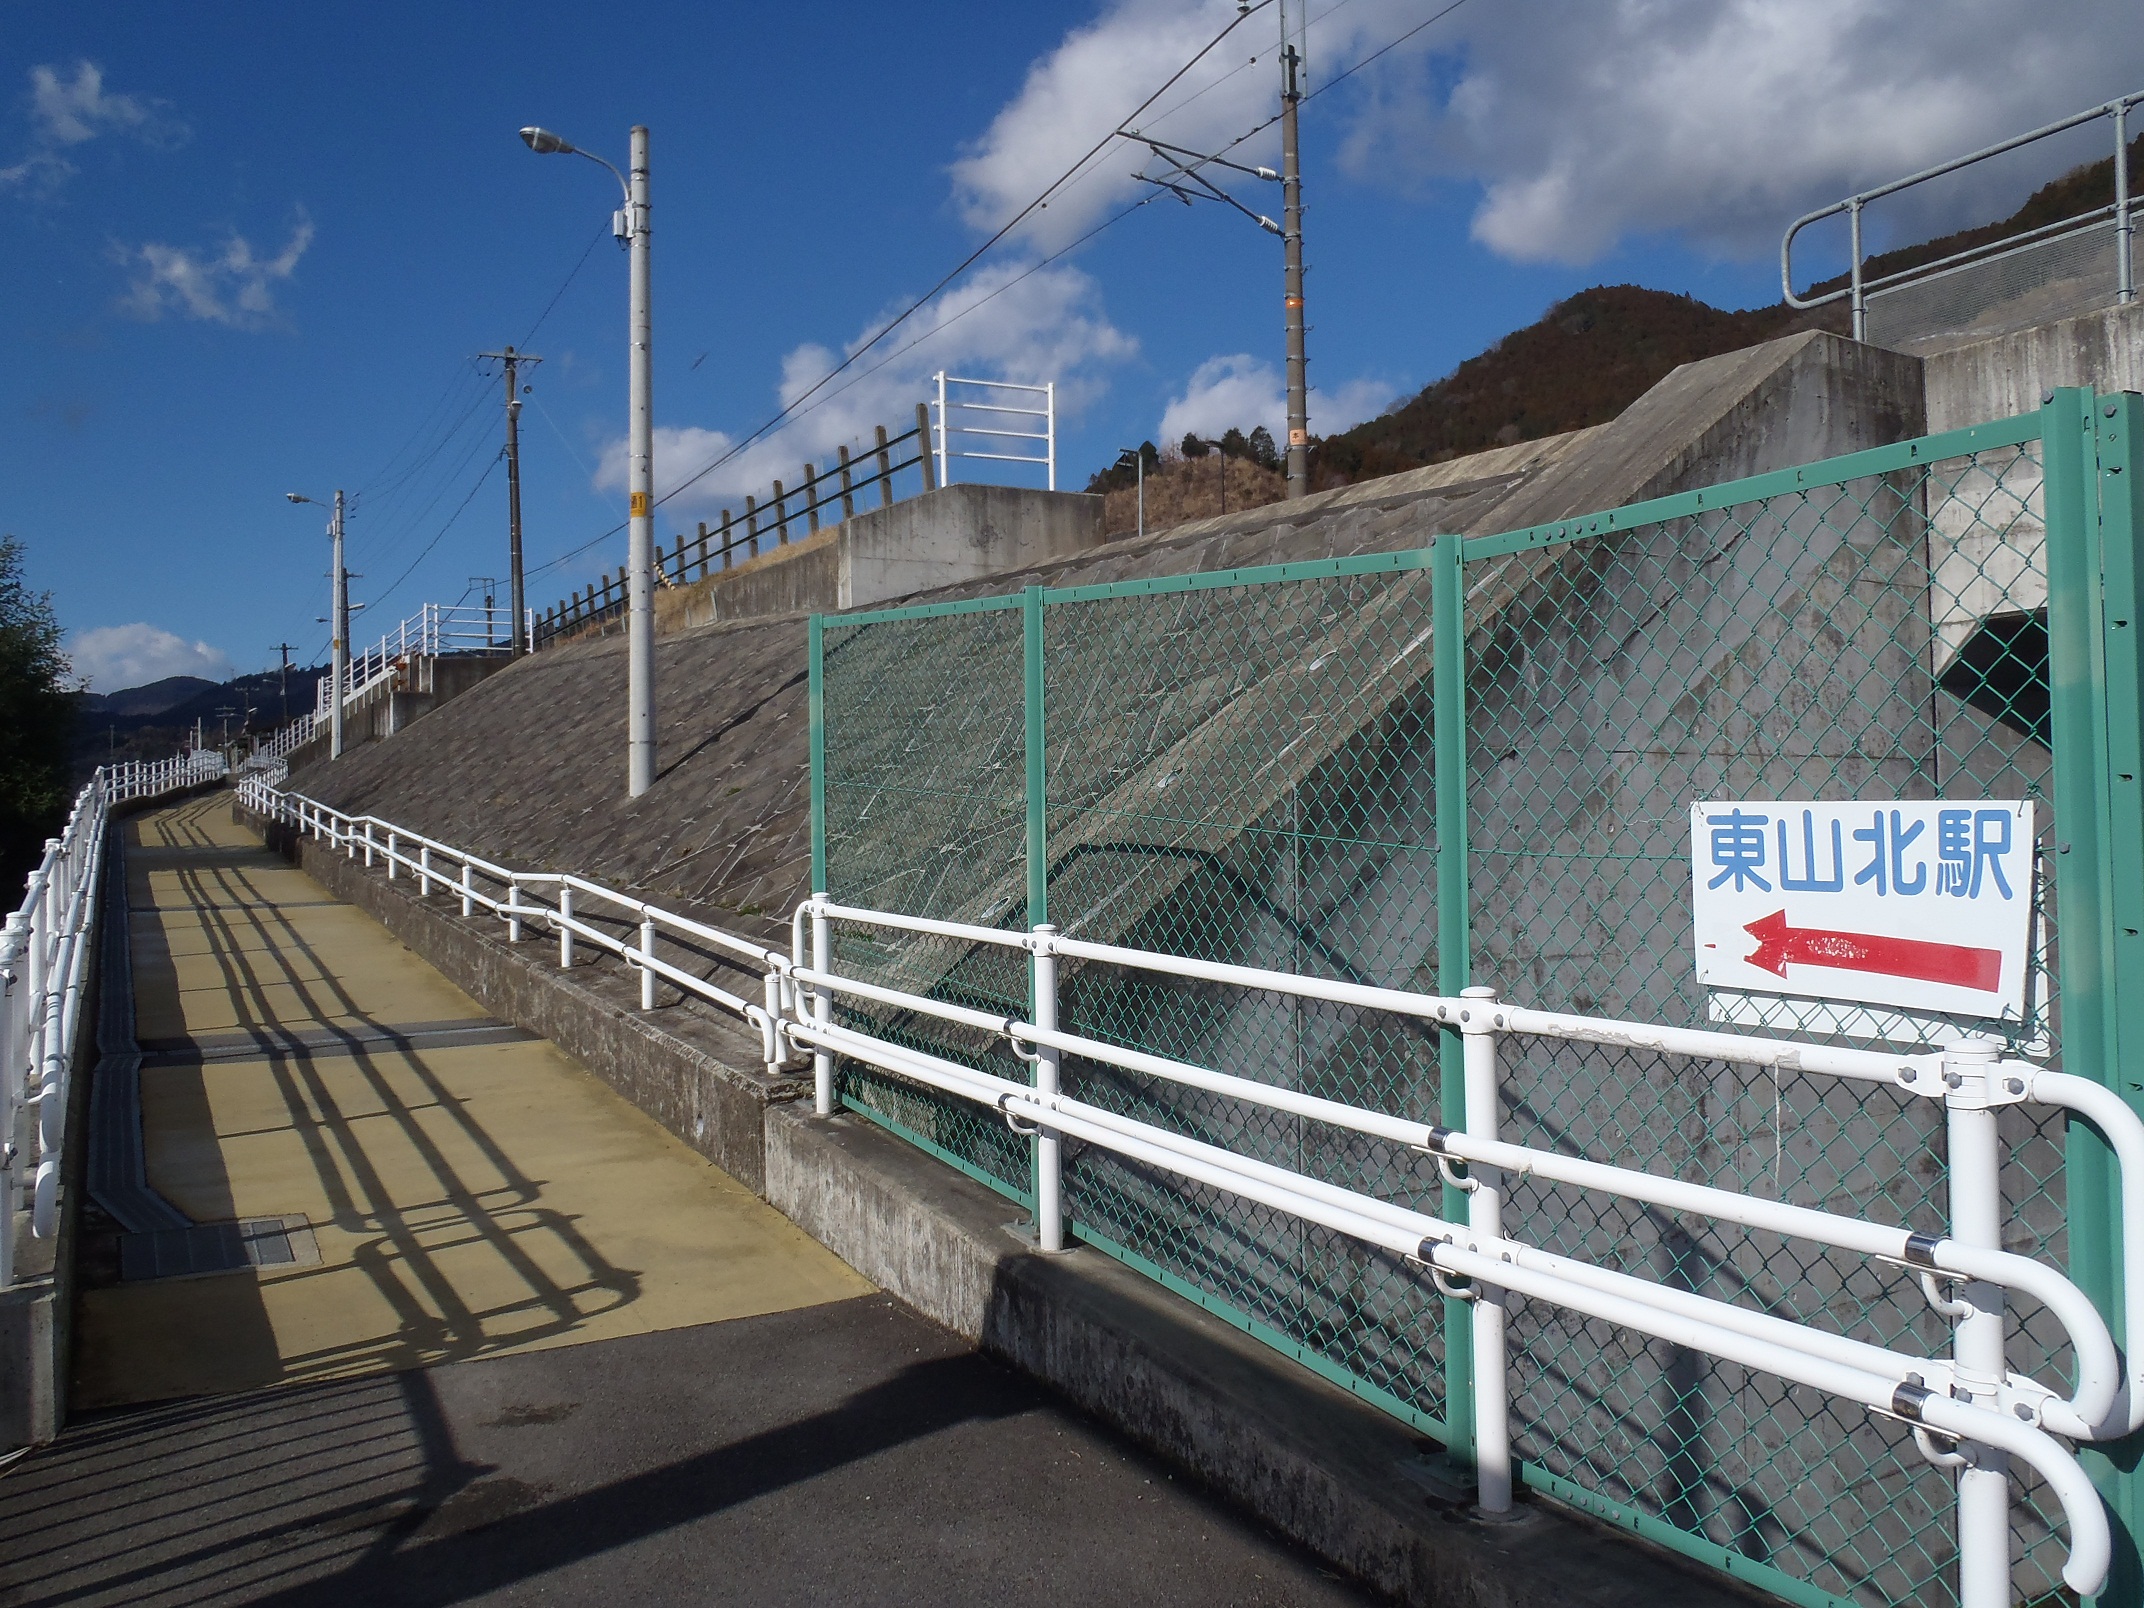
297 496
543 142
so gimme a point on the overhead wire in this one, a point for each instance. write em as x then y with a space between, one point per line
460 508
389 482
968 261
1079 170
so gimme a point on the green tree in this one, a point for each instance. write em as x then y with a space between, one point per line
1233 444
1263 452
36 723
1192 446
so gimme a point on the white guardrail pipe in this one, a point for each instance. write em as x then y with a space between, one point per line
1969 1411
47 952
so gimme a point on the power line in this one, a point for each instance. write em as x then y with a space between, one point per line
1383 49
858 379
601 230
798 407
460 509
969 261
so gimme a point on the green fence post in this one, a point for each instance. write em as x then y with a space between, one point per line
2118 428
2084 885
818 752
1448 713
1038 864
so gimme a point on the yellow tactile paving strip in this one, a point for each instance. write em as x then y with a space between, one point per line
468 1201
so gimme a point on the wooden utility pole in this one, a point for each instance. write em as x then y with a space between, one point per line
284 649
512 360
1291 185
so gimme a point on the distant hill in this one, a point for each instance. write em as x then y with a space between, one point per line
1589 357
153 699
1582 362
153 722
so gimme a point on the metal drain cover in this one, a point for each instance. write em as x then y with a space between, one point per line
178 1253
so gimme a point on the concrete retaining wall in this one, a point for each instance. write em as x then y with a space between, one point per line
2007 375
941 538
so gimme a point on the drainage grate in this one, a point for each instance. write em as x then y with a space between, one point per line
177 1253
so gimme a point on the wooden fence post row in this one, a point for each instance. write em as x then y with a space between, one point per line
599 599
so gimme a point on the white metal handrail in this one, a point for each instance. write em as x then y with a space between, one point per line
1855 292
1968 1411
949 401
436 628
45 965
281 745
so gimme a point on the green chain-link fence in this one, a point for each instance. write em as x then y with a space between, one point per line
1246 767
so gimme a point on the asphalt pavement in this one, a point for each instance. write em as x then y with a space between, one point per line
845 1452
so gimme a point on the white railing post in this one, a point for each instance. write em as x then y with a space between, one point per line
1049 1145
394 854
424 872
1977 1343
565 925
468 900
368 845
822 1013
1485 1216
647 953
513 911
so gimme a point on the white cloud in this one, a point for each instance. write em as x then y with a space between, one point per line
1011 321
65 113
112 658
1237 391
1345 406
227 286
1718 120
1243 391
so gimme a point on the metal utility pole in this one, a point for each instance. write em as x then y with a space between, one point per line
631 226
339 641
338 626
1138 458
640 626
513 359
284 649
1291 192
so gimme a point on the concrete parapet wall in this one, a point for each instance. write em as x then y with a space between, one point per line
2008 374
941 538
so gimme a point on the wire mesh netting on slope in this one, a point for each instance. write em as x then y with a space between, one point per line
1242 768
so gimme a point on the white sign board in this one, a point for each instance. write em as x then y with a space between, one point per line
1924 906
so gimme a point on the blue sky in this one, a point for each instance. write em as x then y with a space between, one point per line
252 249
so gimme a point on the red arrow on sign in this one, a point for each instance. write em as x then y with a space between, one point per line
1779 944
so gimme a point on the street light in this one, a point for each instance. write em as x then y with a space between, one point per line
1138 458
338 625
631 225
